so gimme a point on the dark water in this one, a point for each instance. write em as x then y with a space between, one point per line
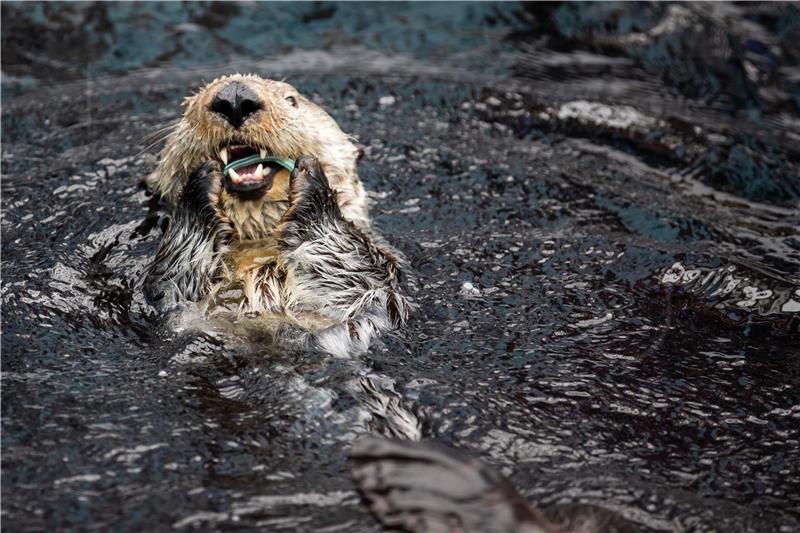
618 183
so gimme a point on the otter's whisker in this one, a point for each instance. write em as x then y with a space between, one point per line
159 135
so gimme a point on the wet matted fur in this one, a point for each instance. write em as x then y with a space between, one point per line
300 259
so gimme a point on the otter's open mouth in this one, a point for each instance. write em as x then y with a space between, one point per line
255 172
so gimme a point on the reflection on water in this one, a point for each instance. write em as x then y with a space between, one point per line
599 202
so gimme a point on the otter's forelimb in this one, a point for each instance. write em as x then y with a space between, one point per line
334 268
191 253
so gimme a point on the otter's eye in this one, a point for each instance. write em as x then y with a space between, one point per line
292 100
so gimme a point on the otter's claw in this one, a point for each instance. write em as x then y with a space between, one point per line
307 180
311 199
204 185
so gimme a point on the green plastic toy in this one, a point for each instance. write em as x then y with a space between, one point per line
288 164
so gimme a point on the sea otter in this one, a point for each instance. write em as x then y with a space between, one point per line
292 250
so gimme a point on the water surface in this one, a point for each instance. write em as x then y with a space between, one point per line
599 203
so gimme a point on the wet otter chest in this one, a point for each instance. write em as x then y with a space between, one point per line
253 221
252 279
248 256
255 283
253 272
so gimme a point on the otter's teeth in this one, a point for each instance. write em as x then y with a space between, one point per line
223 154
260 171
263 153
234 175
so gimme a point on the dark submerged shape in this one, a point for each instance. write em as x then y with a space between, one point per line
428 488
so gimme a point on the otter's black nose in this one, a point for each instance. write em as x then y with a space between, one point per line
235 102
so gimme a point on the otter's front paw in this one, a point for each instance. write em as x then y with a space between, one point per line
203 187
308 179
310 195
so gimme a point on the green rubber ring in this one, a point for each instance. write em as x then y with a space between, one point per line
288 164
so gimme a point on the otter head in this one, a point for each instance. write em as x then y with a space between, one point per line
238 116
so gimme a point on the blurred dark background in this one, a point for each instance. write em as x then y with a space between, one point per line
745 53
